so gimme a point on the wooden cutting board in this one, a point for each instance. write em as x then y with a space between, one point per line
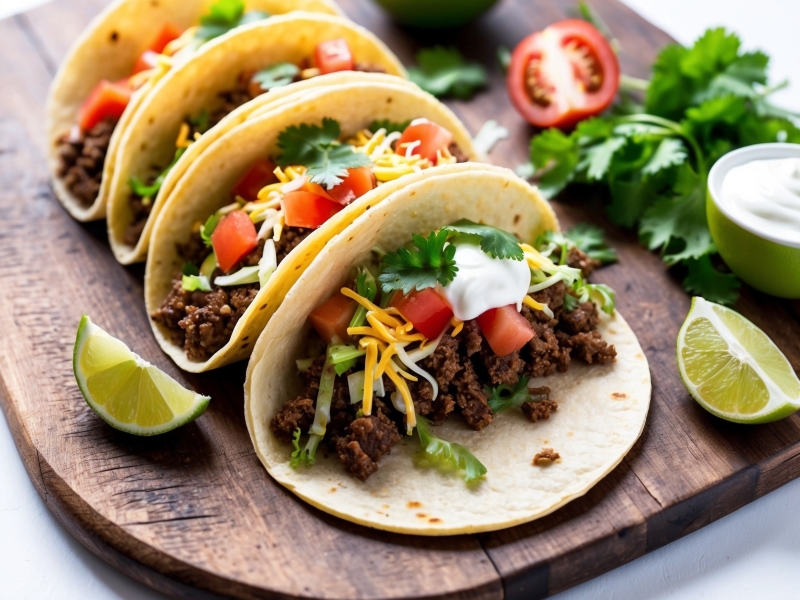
193 513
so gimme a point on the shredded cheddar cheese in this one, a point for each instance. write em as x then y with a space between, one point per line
458 325
183 137
528 301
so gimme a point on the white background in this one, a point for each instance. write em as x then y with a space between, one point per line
752 553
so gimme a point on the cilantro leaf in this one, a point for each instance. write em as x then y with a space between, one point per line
208 228
555 157
318 149
598 157
503 397
143 190
223 16
189 268
201 122
389 126
589 239
503 58
570 302
443 72
276 76
704 280
494 242
419 269
670 152
451 453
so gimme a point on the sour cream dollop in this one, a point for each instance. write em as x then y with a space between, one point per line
483 282
765 196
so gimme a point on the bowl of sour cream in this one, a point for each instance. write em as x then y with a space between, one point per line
753 209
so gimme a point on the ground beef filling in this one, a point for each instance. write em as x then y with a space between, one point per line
202 322
463 366
81 156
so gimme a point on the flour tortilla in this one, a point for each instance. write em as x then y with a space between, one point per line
206 186
601 408
108 49
195 85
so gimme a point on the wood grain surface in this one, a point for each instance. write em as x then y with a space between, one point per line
194 514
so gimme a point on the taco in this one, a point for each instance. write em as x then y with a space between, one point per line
114 65
427 345
256 206
257 61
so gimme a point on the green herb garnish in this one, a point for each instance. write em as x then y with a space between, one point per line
444 72
429 264
225 15
503 397
201 122
189 268
700 103
451 453
208 228
584 236
366 288
494 242
276 76
319 150
143 190
389 126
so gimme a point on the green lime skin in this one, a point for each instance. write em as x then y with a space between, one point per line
767 266
435 14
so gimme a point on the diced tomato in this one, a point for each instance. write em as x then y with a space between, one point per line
357 183
315 188
148 60
233 239
333 56
427 310
333 317
305 209
563 74
107 100
168 33
431 138
262 173
505 329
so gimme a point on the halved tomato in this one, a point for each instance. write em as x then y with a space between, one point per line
505 329
333 56
234 238
427 310
306 209
424 138
107 100
562 75
358 182
333 317
148 60
168 33
261 174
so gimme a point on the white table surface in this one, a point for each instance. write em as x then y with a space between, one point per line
752 553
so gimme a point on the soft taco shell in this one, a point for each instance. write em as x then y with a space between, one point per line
601 411
207 182
108 49
195 85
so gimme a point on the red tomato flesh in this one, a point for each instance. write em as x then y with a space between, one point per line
562 75
505 329
427 310
431 138
107 100
315 188
357 183
306 209
333 317
168 33
333 56
233 239
261 174
148 60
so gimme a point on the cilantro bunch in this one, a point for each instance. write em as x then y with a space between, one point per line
654 158
443 72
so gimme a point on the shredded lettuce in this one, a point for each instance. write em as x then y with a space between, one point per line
456 455
343 356
195 283
208 228
241 277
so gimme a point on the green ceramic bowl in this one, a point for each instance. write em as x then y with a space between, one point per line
766 262
435 14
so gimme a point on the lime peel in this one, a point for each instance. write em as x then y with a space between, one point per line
125 390
732 368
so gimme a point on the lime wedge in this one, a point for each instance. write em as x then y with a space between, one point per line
127 392
732 368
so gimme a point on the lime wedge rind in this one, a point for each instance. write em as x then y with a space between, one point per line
195 407
779 404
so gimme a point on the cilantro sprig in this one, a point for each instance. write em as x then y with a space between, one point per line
144 190
429 264
223 16
584 236
276 76
208 228
451 454
504 397
444 72
653 159
319 150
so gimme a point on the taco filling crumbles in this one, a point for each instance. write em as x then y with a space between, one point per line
463 323
275 205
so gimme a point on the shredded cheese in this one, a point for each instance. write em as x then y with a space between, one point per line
528 301
458 325
183 137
